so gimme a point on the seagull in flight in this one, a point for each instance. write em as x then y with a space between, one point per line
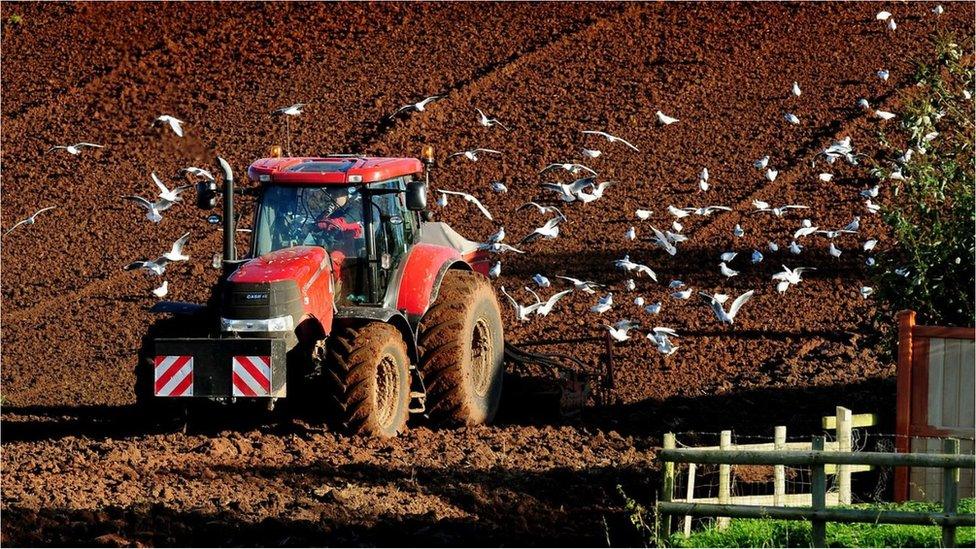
778 212
663 241
548 231
76 148
627 265
292 110
472 154
198 172
611 138
789 276
171 195
660 336
468 198
158 266
707 210
522 312
619 331
499 247
542 209
175 124
569 167
570 192
717 300
597 193
30 220
419 107
488 122
154 209
603 304
582 285
546 307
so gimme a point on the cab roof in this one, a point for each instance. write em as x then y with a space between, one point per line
331 170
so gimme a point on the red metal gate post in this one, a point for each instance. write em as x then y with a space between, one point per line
906 322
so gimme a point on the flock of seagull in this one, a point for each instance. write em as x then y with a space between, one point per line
584 189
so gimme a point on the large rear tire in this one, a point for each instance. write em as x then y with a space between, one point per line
462 350
368 377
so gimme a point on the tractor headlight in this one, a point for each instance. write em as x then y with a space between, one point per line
277 324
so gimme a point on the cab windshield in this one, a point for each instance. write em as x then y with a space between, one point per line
326 216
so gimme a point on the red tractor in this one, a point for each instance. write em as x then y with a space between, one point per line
349 299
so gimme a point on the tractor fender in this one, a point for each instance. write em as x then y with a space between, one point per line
352 315
414 285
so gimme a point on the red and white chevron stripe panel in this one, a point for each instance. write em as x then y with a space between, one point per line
252 376
174 376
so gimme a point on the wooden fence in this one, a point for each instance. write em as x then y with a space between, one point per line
817 513
936 399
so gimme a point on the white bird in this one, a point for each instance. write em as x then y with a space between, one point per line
789 276
761 163
582 285
854 225
791 118
703 180
660 336
498 236
499 187
891 24
806 223
757 257
883 74
664 119
162 290
882 16
569 167
866 291
706 210
725 270
488 122
796 89
174 123
662 240
176 251
469 198
546 307
863 104
832 234
738 231
778 212
496 270
795 248
472 154
291 110
903 272
771 175
728 256
773 247
630 285
619 330
872 207
603 304
825 177
678 212
804 231
171 195
541 281
631 234
522 312
29 220
675 238
548 231
76 148
677 226
542 209
153 209
591 153
627 265
419 106
499 247
884 115
833 250
872 192
198 172
717 305
643 215
639 301
653 308
569 192
442 201
597 193
675 284
611 138
870 244
938 10
682 294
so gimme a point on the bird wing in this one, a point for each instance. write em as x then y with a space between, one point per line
136 265
538 207
509 248
556 297
452 155
178 245
625 142
42 210
666 331
175 125
580 166
141 201
646 269
85 144
159 183
739 302
575 281
452 192
17 224
492 151
601 134
480 206
514 303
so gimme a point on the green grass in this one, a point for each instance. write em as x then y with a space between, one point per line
15 20
782 533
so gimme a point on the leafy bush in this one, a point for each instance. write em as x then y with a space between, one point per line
781 533
932 212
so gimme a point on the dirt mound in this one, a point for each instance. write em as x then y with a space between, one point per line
77 470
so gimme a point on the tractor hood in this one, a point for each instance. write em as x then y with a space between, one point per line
300 264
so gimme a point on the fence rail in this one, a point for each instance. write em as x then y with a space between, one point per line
817 513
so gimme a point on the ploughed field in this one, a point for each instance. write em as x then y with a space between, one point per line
76 470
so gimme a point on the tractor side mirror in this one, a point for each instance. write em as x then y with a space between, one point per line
206 195
416 195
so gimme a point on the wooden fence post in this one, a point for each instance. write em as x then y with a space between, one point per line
667 491
689 495
844 437
779 471
819 495
906 321
724 478
950 491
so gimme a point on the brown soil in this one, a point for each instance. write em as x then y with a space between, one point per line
76 470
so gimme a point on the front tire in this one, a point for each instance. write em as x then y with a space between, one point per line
368 376
462 350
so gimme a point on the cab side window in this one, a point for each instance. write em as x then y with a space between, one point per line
391 232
